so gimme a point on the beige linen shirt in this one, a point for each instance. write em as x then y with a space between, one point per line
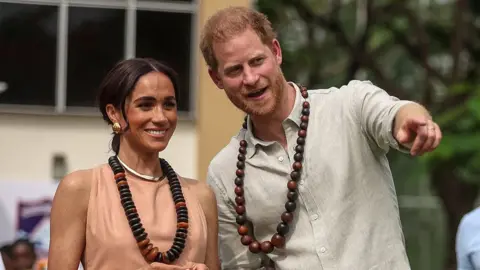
347 213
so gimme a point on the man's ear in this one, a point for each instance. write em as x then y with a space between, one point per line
277 51
215 78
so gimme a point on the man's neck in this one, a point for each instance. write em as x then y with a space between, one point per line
269 127
139 161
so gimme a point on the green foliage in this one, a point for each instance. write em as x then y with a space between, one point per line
321 52
461 139
412 49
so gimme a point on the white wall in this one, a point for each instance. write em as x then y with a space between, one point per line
28 143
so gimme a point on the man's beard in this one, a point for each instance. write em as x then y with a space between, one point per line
276 90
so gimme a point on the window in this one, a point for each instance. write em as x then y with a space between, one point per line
54 53
95 43
28 39
170 46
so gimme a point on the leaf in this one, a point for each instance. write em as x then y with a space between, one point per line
473 106
400 23
455 144
379 37
459 89
470 172
466 123
450 116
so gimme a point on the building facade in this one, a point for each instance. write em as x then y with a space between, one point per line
54 54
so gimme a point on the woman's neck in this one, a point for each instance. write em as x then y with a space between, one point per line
141 162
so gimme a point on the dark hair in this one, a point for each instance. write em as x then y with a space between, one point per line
120 81
7 250
23 241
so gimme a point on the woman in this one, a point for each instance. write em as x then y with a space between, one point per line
5 260
23 254
135 212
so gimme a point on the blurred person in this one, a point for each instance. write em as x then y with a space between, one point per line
325 149
23 254
6 257
135 212
468 241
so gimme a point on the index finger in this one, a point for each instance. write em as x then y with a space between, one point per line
417 121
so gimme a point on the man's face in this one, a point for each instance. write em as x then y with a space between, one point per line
249 72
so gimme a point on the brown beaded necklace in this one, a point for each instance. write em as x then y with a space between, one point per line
278 239
149 252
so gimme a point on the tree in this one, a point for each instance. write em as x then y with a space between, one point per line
427 51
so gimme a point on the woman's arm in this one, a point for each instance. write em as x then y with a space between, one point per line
68 221
209 205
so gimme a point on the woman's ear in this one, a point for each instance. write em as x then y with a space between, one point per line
113 114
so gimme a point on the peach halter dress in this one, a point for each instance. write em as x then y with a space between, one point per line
110 244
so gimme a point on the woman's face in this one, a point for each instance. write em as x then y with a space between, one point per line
23 257
151 112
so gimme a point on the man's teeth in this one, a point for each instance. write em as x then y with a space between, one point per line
158 132
256 93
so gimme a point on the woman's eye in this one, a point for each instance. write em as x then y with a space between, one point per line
145 106
170 104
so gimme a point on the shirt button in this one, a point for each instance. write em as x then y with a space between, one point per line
323 250
314 217
280 159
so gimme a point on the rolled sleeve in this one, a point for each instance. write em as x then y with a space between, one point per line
233 255
376 111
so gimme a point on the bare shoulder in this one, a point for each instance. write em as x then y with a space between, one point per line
201 188
70 204
203 192
75 185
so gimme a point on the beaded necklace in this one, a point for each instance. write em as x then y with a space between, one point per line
278 239
148 251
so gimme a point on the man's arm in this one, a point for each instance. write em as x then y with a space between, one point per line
414 129
390 122
233 255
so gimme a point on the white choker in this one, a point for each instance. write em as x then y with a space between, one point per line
146 177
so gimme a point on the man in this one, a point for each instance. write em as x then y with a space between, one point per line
468 241
306 183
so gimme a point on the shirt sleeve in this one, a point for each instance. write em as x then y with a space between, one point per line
475 260
376 111
233 255
468 242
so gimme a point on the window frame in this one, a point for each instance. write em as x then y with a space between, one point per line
130 7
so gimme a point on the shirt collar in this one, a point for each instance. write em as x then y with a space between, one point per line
294 116
296 112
